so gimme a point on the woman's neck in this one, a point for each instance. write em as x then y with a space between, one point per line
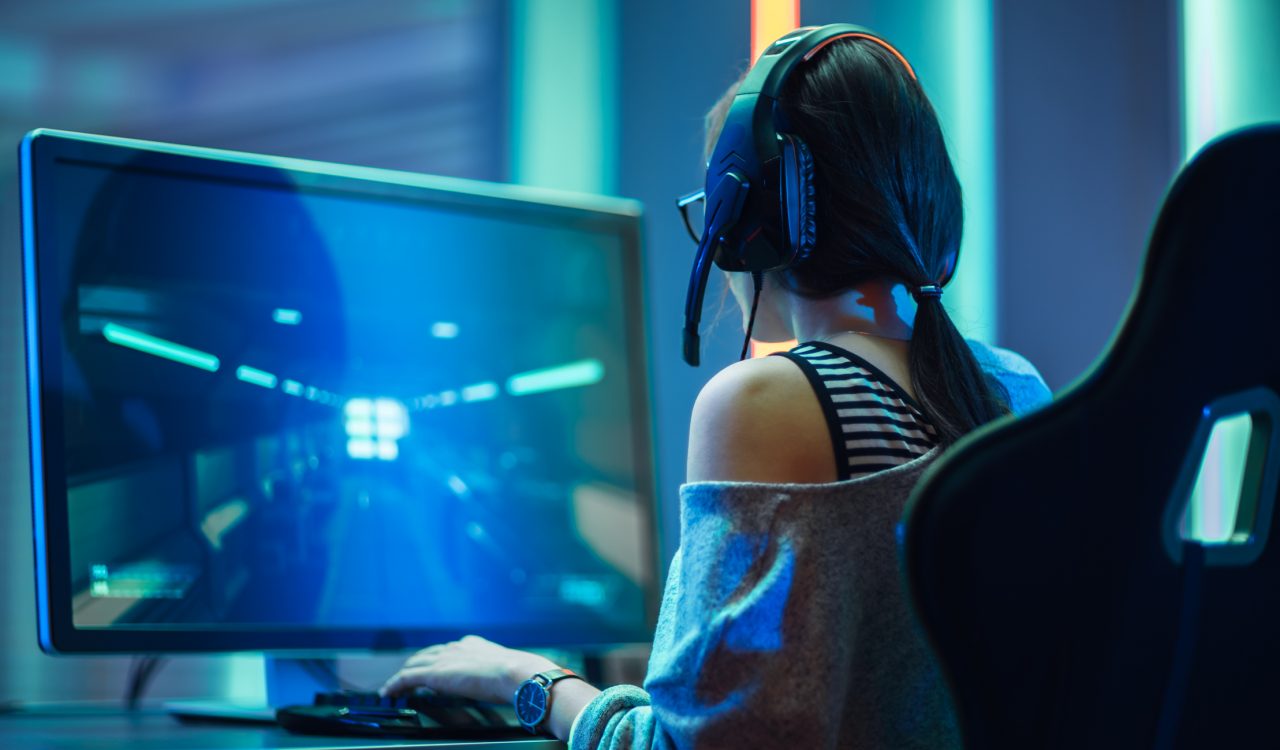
878 307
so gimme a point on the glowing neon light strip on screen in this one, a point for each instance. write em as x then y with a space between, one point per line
256 376
480 392
285 316
158 347
573 375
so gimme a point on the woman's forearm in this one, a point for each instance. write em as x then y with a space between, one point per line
568 698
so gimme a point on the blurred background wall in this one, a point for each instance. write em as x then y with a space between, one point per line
1065 117
422 86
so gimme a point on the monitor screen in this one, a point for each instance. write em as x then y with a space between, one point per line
288 405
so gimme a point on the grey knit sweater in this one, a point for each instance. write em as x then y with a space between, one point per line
783 623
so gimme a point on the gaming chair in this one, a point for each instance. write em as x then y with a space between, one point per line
1043 556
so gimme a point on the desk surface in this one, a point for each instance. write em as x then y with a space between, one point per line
152 729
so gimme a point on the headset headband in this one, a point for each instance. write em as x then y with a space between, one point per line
738 172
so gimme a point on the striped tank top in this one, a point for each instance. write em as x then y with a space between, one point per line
874 424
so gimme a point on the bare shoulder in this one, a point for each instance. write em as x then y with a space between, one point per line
759 421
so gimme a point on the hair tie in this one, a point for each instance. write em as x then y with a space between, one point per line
928 291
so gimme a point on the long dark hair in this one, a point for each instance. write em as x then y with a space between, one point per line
888 205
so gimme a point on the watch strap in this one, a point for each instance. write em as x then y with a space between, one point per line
547 678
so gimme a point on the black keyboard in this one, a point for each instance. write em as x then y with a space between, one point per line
421 713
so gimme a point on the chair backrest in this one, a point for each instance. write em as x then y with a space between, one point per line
1043 554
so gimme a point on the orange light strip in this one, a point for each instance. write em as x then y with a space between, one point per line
764 348
771 19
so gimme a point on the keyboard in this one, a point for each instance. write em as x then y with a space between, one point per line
422 713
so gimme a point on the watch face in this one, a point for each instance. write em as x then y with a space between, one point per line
531 703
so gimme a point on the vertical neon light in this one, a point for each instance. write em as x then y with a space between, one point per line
1230 65
960 82
771 19
564 88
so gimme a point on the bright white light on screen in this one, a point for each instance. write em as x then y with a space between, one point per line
374 426
391 417
360 448
444 330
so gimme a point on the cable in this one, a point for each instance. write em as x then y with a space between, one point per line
757 280
141 670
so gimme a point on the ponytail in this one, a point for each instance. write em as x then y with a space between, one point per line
956 395
888 205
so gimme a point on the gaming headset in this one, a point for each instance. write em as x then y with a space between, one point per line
759 212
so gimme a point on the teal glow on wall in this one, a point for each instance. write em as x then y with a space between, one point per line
1230 75
563 94
965 100
24 65
950 44
1230 67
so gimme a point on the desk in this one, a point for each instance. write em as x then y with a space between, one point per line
93 728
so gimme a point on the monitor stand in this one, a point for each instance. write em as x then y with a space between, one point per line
290 682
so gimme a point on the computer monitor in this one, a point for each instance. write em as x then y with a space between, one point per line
284 405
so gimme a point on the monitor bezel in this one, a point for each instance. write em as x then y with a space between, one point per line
39 152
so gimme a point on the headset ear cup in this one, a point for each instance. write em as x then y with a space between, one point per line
797 197
807 220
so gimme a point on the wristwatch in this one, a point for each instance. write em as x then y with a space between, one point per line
533 698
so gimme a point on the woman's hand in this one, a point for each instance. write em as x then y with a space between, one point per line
471 668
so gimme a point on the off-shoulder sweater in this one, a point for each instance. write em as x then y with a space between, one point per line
783 622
